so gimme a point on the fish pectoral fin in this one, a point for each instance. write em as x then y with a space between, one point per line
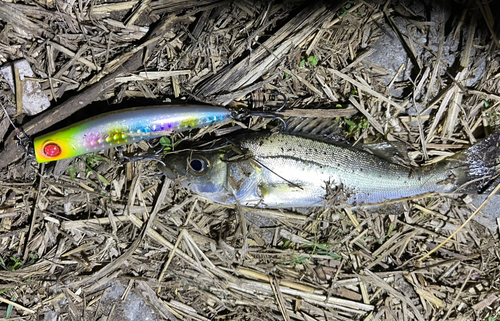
245 189
280 189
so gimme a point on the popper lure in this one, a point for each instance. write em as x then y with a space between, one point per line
124 127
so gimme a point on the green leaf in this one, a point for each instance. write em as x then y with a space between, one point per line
103 179
302 63
99 158
32 258
72 172
287 75
300 259
17 263
350 123
391 228
93 159
9 311
338 106
323 246
333 255
354 92
320 246
10 307
364 124
486 104
165 141
346 8
313 60
177 143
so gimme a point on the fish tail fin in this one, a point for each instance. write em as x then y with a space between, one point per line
479 165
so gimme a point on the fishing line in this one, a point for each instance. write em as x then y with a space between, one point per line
23 139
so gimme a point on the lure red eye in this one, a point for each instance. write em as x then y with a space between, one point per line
52 150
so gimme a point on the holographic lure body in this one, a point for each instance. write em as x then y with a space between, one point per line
124 127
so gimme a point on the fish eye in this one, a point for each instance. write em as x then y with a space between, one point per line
199 164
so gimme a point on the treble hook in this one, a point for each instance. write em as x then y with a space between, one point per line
271 115
284 101
246 113
258 99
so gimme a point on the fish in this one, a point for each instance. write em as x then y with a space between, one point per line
284 170
122 127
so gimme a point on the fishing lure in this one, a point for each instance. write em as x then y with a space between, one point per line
124 127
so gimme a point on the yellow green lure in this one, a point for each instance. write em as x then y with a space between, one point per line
124 127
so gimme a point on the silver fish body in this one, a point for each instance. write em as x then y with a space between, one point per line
287 170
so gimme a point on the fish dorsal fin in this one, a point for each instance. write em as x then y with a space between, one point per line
395 152
330 130
325 128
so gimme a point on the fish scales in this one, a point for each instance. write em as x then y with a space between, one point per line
304 161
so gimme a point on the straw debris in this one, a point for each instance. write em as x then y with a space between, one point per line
72 233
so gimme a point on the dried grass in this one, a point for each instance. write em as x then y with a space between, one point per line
66 231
